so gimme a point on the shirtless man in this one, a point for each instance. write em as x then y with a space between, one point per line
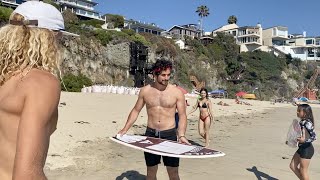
29 89
161 100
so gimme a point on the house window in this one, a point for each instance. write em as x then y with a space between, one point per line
274 32
309 41
234 33
140 29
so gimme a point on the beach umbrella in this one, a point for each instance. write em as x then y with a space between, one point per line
182 90
304 99
240 93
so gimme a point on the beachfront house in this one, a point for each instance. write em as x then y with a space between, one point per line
275 36
305 48
249 38
11 3
182 31
141 27
84 9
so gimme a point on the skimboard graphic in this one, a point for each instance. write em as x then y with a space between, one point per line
165 147
293 133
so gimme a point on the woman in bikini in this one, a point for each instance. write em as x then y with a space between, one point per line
205 106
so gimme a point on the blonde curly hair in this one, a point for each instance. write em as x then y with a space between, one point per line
23 48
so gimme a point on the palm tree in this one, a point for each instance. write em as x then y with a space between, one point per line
232 19
203 11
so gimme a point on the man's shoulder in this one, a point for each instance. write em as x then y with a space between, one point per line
175 89
40 81
146 88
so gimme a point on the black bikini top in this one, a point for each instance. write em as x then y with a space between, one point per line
204 105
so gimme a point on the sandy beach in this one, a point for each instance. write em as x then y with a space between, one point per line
251 136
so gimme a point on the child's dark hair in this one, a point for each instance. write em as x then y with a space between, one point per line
307 111
161 65
205 90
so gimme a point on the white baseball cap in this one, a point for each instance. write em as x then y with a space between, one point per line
41 15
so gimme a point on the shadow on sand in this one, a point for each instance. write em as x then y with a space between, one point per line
131 175
260 175
194 143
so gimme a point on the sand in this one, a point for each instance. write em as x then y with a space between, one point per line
252 137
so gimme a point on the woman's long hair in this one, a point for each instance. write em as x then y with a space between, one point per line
23 48
307 112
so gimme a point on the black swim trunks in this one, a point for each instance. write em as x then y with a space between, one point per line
306 150
152 159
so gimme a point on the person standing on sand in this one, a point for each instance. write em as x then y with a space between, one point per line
162 100
301 159
206 115
29 89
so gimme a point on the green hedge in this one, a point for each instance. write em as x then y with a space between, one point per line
5 13
75 83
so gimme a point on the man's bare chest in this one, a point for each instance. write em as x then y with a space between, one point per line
165 100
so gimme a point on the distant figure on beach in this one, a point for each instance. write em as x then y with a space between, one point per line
206 114
221 103
301 159
162 100
29 89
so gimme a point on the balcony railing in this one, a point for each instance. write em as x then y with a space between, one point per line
11 2
76 4
88 14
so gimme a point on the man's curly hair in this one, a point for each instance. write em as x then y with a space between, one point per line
161 65
23 48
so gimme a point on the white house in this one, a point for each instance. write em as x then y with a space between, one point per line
249 38
180 43
82 8
299 46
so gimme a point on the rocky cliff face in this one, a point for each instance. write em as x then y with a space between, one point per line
103 65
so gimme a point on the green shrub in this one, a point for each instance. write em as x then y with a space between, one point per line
103 36
130 32
295 76
141 39
92 22
5 13
117 20
74 83
70 17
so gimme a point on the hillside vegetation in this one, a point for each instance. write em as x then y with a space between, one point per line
215 63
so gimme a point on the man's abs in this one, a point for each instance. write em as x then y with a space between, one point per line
161 118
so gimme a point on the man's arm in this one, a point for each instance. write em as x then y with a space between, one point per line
194 107
40 104
134 112
181 107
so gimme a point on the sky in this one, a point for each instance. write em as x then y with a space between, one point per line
297 15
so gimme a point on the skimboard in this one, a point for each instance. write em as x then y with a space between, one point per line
165 147
293 133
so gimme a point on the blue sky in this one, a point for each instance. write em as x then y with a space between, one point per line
297 15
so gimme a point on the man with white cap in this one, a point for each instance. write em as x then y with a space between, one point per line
29 89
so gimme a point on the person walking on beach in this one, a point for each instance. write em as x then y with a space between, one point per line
206 114
162 100
29 89
301 159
